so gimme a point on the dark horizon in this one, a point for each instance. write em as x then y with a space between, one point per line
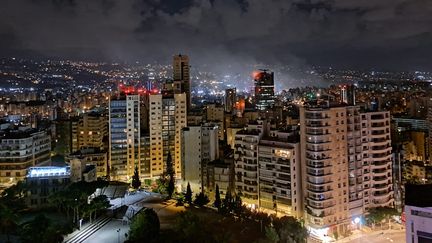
380 35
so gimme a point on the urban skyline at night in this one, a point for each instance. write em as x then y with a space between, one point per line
303 121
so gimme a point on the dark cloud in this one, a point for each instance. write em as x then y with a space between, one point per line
383 33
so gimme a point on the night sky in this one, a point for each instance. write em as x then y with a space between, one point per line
392 34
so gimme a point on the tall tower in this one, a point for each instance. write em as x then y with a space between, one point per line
348 94
264 89
181 77
347 169
168 115
230 100
124 136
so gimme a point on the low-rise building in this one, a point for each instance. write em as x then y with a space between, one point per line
92 156
43 181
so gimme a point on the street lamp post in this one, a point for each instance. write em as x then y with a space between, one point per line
118 236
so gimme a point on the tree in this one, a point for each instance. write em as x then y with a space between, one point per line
271 235
378 214
188 195
13 196
170 173
226 206
40 229
217 202
98 203
136 183
201 199
189 227
290 230
237 205
8 221
145 226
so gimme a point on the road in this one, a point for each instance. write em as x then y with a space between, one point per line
392 236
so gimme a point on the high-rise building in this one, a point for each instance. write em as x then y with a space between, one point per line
21 149
200 146
279 175
168 115
124 136
264 89
230 100
346 158
89 131
245 160
348 94
215 114
181 77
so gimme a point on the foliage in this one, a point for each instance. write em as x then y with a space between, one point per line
217 203
180 201
161 186
376 215
201 199
271 235
226 204
8 221
136 183
13 197
171 187
98 203
188 195
290 230
170 173
191 228
41 229
74 199
145 226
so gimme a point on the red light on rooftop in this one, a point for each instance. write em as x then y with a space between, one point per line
256 74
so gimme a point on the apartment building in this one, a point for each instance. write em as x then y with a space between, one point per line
168 115
20 149
346 153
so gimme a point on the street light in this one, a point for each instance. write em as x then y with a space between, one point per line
118 235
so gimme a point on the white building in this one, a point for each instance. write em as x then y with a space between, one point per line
168 115
347 168
200 146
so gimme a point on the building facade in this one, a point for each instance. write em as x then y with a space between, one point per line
124 136
347 161
181 77
89 131
168 115
200 146
21 149
264 89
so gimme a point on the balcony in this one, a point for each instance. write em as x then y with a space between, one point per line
317 156
318 180
312 164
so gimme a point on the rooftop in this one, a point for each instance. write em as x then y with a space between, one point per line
418 195
48 171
